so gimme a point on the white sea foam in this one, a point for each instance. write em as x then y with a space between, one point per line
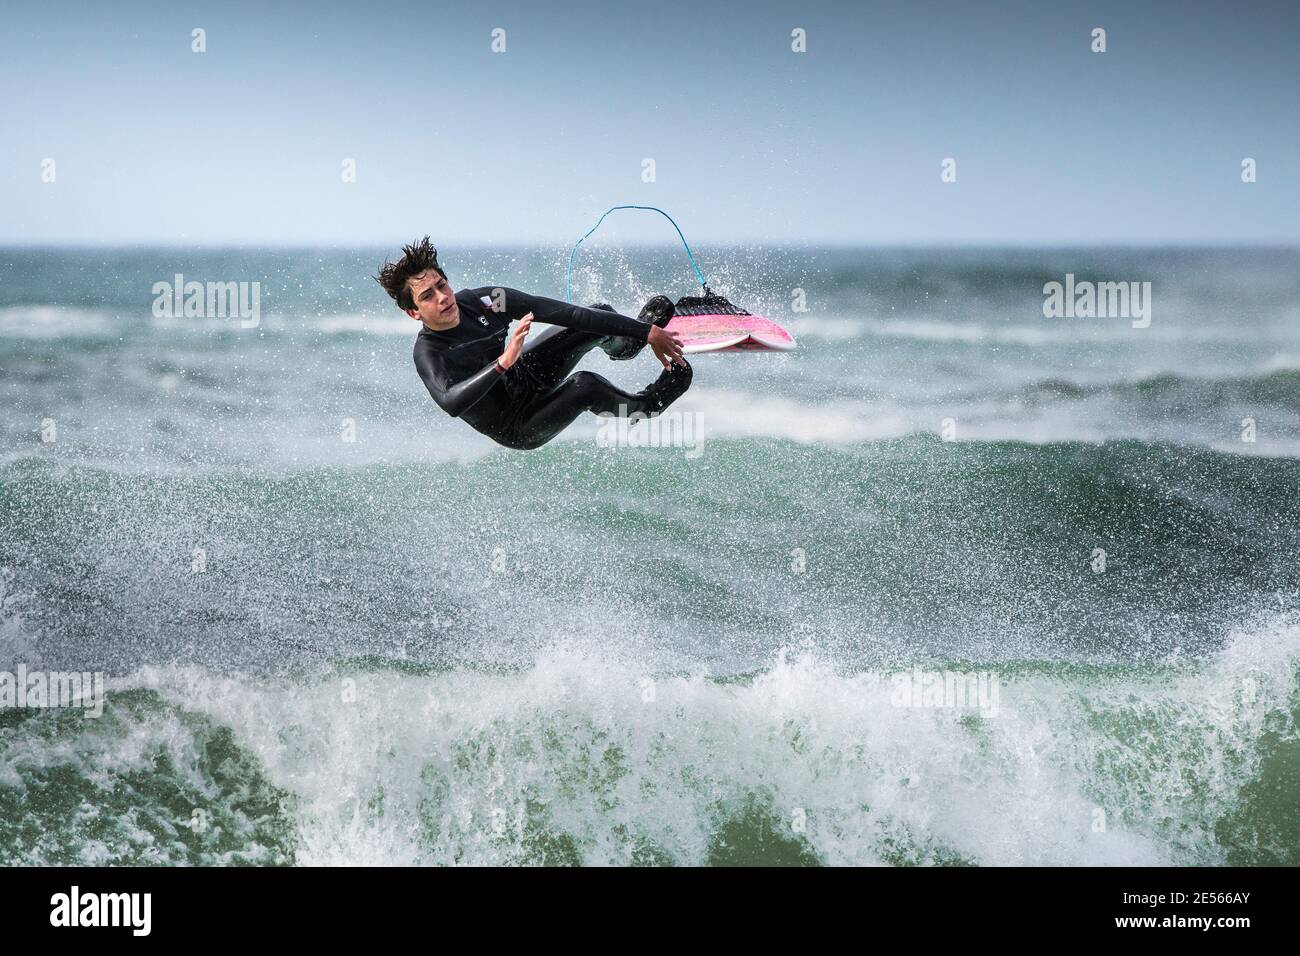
366 324
1052 332
471 767
826 327
49 321
733 413
1093 418
1282 362
933 330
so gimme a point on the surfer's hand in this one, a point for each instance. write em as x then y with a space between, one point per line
666 346
516 343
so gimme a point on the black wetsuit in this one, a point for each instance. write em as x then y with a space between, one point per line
532 401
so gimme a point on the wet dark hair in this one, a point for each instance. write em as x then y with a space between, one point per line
416 258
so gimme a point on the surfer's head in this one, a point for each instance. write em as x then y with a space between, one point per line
420 288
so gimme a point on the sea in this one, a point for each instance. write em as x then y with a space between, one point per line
961 580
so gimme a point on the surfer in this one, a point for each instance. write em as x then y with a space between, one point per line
523 396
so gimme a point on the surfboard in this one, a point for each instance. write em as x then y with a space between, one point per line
712 324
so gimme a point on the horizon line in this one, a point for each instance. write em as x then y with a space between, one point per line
1151 244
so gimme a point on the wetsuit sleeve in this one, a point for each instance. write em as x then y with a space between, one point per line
456 399
570 316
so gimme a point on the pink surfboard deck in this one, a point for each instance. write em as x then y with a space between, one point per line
730 333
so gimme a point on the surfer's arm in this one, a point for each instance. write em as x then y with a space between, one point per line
572 316
456 399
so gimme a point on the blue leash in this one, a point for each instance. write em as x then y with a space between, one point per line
568 272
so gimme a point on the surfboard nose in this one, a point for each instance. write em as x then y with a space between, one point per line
711 323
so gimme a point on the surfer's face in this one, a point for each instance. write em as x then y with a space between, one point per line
435 300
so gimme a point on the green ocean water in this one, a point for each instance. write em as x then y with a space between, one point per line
417 648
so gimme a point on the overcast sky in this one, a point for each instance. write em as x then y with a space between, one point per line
245 143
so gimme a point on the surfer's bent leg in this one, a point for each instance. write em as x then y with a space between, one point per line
556 352
555 411
551 413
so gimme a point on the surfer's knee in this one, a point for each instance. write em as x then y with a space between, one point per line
586 385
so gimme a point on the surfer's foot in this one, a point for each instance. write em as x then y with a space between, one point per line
666 389
655 312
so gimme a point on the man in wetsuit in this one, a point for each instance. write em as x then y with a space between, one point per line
518 396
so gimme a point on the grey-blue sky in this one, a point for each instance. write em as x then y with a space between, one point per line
753 143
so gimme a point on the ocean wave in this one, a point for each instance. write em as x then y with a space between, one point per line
1047 332
978 549
734 413
1210 412
825 327
1160 407
934 330
52 321
1283 362
1173 394
364 324
584 758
